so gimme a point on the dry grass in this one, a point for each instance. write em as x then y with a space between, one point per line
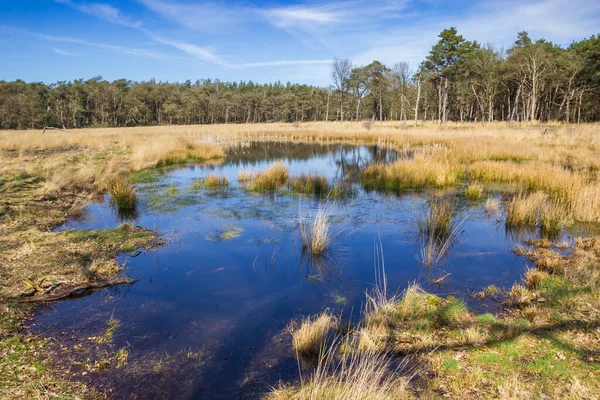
316 236
492 206
212 181
309 183
418 173
474 191
524 209
310 339
122 194
273 178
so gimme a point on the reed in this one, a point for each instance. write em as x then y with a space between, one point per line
309 183
273 178
492 205
350 375
212 181
310 339
474 192
122 194
316 236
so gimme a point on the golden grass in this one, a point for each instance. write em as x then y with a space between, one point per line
418 173
309 183
212 181
525 209
273 178
492 205
310 339
122 194
474 191
316 236
341 374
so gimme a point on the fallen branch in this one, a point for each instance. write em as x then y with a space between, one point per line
66 291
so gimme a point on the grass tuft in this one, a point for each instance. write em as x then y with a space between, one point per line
310 184
310 339
212 181
273 178
122 194
474 192
316 236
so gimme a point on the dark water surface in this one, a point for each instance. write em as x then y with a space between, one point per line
232 275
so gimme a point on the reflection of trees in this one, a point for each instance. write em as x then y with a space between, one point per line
349 159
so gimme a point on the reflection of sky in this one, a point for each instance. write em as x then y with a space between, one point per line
198 289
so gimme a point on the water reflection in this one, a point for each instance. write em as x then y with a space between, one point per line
232 273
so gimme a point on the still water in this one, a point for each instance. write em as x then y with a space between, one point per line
231 274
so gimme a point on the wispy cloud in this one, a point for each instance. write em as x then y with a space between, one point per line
65 39
280 63
295 15
205 16
65 53
201 53
102 11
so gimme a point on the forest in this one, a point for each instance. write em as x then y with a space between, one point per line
460 80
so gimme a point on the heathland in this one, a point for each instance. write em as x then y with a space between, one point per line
544 342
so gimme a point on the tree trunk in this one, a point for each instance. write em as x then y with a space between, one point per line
417 102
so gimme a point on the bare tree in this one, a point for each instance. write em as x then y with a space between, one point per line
340 73
400 81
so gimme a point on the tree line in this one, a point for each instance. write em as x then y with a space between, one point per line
460 80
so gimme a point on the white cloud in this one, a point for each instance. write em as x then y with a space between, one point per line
65 53
203 16
102 11
198 52
292 16
64 39
280 63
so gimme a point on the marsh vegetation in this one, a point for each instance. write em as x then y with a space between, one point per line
437 200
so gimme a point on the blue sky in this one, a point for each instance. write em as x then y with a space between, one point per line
264 41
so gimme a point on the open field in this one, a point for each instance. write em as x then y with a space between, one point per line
543 343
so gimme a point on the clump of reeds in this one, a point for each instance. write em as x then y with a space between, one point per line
122 194
534 278
166 150
273 178
438 231
437 221
212 181
309 183
474 192
418 173
553 217
245 175
310 339
538 209
316 236
524 210
492 205
350 375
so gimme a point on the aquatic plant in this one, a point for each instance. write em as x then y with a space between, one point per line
474 192
316 236
273 178
122 194
418 173
437 221
310 339
437 230
350 375
309 183
523 209
492 205
212 181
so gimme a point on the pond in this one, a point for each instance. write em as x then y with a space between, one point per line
231 274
